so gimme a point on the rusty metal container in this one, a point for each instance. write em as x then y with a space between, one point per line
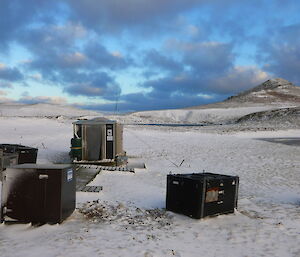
198 195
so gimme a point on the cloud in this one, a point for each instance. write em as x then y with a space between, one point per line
57 57
282 53
178 53
10 74
27 99
186 86
92 84
6 100
75 59
102 58
157 61
203 72
53 48
167 85
181 92
42 99
204 58
238 79
16 15
60 50
110 16
4 84
200 63
52 37
53 65
142 101
36 76
3 92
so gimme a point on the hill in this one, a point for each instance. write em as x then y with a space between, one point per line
276 92
43 110
273 91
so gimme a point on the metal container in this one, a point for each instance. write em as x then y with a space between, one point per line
26 154
96 140
198 195
38 193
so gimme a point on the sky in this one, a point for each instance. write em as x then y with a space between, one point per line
132 55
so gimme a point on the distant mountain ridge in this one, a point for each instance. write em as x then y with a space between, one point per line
43 110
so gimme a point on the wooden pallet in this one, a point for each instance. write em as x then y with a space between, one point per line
109 168
90 189
87 172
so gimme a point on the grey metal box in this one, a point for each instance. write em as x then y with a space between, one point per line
96 140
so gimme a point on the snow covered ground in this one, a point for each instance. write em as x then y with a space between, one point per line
127 218
210 115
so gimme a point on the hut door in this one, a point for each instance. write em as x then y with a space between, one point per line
93 142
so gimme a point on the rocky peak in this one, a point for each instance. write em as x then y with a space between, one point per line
272 84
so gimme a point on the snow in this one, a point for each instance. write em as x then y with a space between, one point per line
211 115
134 223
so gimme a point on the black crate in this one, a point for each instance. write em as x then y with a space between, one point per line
26 154
198 195
38 193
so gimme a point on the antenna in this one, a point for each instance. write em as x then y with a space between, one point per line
117 101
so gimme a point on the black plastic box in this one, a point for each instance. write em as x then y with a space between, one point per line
198 195
26 154
38 193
